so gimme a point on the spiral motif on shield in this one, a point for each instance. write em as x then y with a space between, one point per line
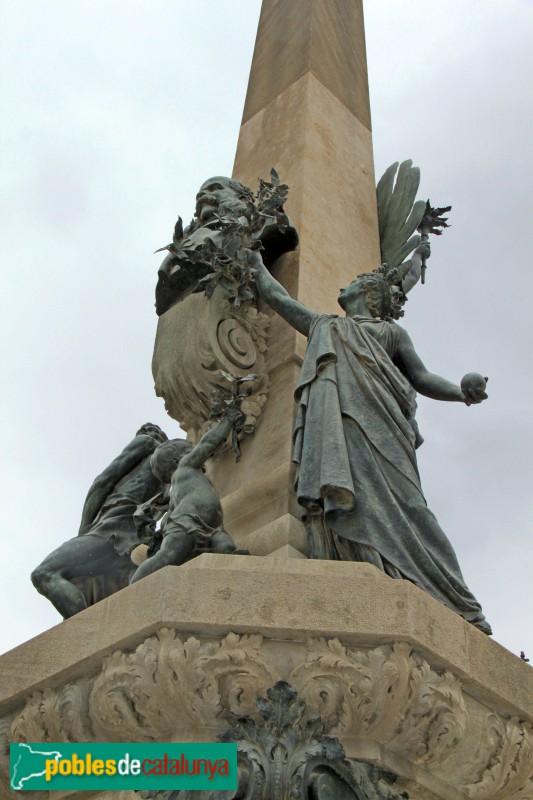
236 343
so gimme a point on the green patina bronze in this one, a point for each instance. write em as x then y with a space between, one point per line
355 436
97 561
193 523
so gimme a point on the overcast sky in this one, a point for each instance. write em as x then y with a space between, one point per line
113 113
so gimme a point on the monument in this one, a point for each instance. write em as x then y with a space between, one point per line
340 675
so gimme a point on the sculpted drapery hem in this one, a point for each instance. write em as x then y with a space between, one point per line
354 443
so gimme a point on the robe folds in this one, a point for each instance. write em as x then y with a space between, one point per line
354 444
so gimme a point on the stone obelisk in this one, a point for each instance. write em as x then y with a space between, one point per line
307 114
403 683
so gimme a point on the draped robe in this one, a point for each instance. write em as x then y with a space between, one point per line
354 444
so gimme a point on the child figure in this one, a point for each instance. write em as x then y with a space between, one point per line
194 518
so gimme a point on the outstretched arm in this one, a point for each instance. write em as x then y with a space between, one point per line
427 383
211 441
278 298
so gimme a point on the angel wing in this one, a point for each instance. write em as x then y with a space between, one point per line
399 215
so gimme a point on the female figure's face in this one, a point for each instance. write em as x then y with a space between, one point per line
351 293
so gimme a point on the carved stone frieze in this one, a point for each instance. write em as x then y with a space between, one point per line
168 684
284 757
507 750
55 716
390 693
175 687
5 738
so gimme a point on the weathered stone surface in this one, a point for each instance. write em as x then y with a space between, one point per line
264 511
286 600
396 677
325 155
319 36
287 551
283 531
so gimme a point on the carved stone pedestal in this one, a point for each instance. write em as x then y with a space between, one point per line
401 682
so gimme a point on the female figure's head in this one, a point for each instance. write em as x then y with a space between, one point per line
368 294
373 294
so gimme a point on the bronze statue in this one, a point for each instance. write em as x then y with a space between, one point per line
207 299
355 436
193 523
211 250
97 561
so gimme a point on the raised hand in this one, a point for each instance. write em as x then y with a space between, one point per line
255 261
423 250
235 416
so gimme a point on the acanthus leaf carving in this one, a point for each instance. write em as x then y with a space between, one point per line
55 716
506 771
235 671
5 738
388 693
173 685
168 683
28 725
141 694
436 709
